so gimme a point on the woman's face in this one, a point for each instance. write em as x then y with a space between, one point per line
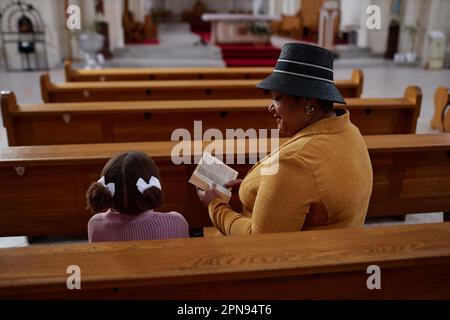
289 113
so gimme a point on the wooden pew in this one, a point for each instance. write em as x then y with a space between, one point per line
170 90
202 73
441 118
414 262
99 122
42 188
145 74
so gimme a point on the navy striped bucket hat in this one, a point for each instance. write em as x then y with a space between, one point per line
304 70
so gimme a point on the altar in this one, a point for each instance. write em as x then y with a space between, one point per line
239 28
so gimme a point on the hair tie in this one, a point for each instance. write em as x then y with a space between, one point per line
142 185
110 186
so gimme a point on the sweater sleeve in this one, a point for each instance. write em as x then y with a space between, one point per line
223 218
282 202
94 225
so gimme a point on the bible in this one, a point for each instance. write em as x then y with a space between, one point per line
211 170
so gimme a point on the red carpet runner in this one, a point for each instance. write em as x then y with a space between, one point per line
249 55
245 55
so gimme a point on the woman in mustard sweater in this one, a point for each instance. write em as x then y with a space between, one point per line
324 176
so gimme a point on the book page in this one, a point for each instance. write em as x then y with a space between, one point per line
211 170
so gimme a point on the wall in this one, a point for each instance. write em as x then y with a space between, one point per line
439 11
178 6
57 35
415 14
290 7
113 10
363 32
113 16
138 7
351 13
377 39
428 15
443 21
261 6
54 26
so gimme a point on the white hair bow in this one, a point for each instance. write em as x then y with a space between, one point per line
142 185
110 186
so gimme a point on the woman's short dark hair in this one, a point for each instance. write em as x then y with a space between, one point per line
124 170
325 105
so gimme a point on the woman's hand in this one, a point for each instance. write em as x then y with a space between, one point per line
234 184
206 196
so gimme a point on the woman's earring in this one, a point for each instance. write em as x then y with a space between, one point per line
309 110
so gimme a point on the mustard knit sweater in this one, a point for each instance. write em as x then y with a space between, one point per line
321 178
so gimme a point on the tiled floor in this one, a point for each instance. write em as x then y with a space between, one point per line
381 79
178 47
8 242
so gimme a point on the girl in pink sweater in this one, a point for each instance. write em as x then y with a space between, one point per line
125 196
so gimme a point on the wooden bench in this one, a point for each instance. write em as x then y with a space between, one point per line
414 262
441 118
198 73
42 188
170 89
99 122
145 74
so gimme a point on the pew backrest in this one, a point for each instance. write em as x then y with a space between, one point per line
206 73
45 185
170 89
145 74
441 118
414 262
97 122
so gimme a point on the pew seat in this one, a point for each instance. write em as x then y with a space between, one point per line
413 260
42 188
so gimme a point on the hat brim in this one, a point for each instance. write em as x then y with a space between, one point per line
301 87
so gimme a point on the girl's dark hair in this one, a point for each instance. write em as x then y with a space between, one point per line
124 170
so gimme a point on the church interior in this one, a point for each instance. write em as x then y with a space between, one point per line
84 80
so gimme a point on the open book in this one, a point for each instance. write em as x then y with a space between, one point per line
211 170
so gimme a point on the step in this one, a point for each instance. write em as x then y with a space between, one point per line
243 54
250 62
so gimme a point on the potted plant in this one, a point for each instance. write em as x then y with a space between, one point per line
260 29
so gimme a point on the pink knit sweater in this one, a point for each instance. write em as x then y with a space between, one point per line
149 225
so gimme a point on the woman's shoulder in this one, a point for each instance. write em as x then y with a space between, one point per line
296 148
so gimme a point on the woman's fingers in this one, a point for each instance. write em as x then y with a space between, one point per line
233 183
206 196
200 191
